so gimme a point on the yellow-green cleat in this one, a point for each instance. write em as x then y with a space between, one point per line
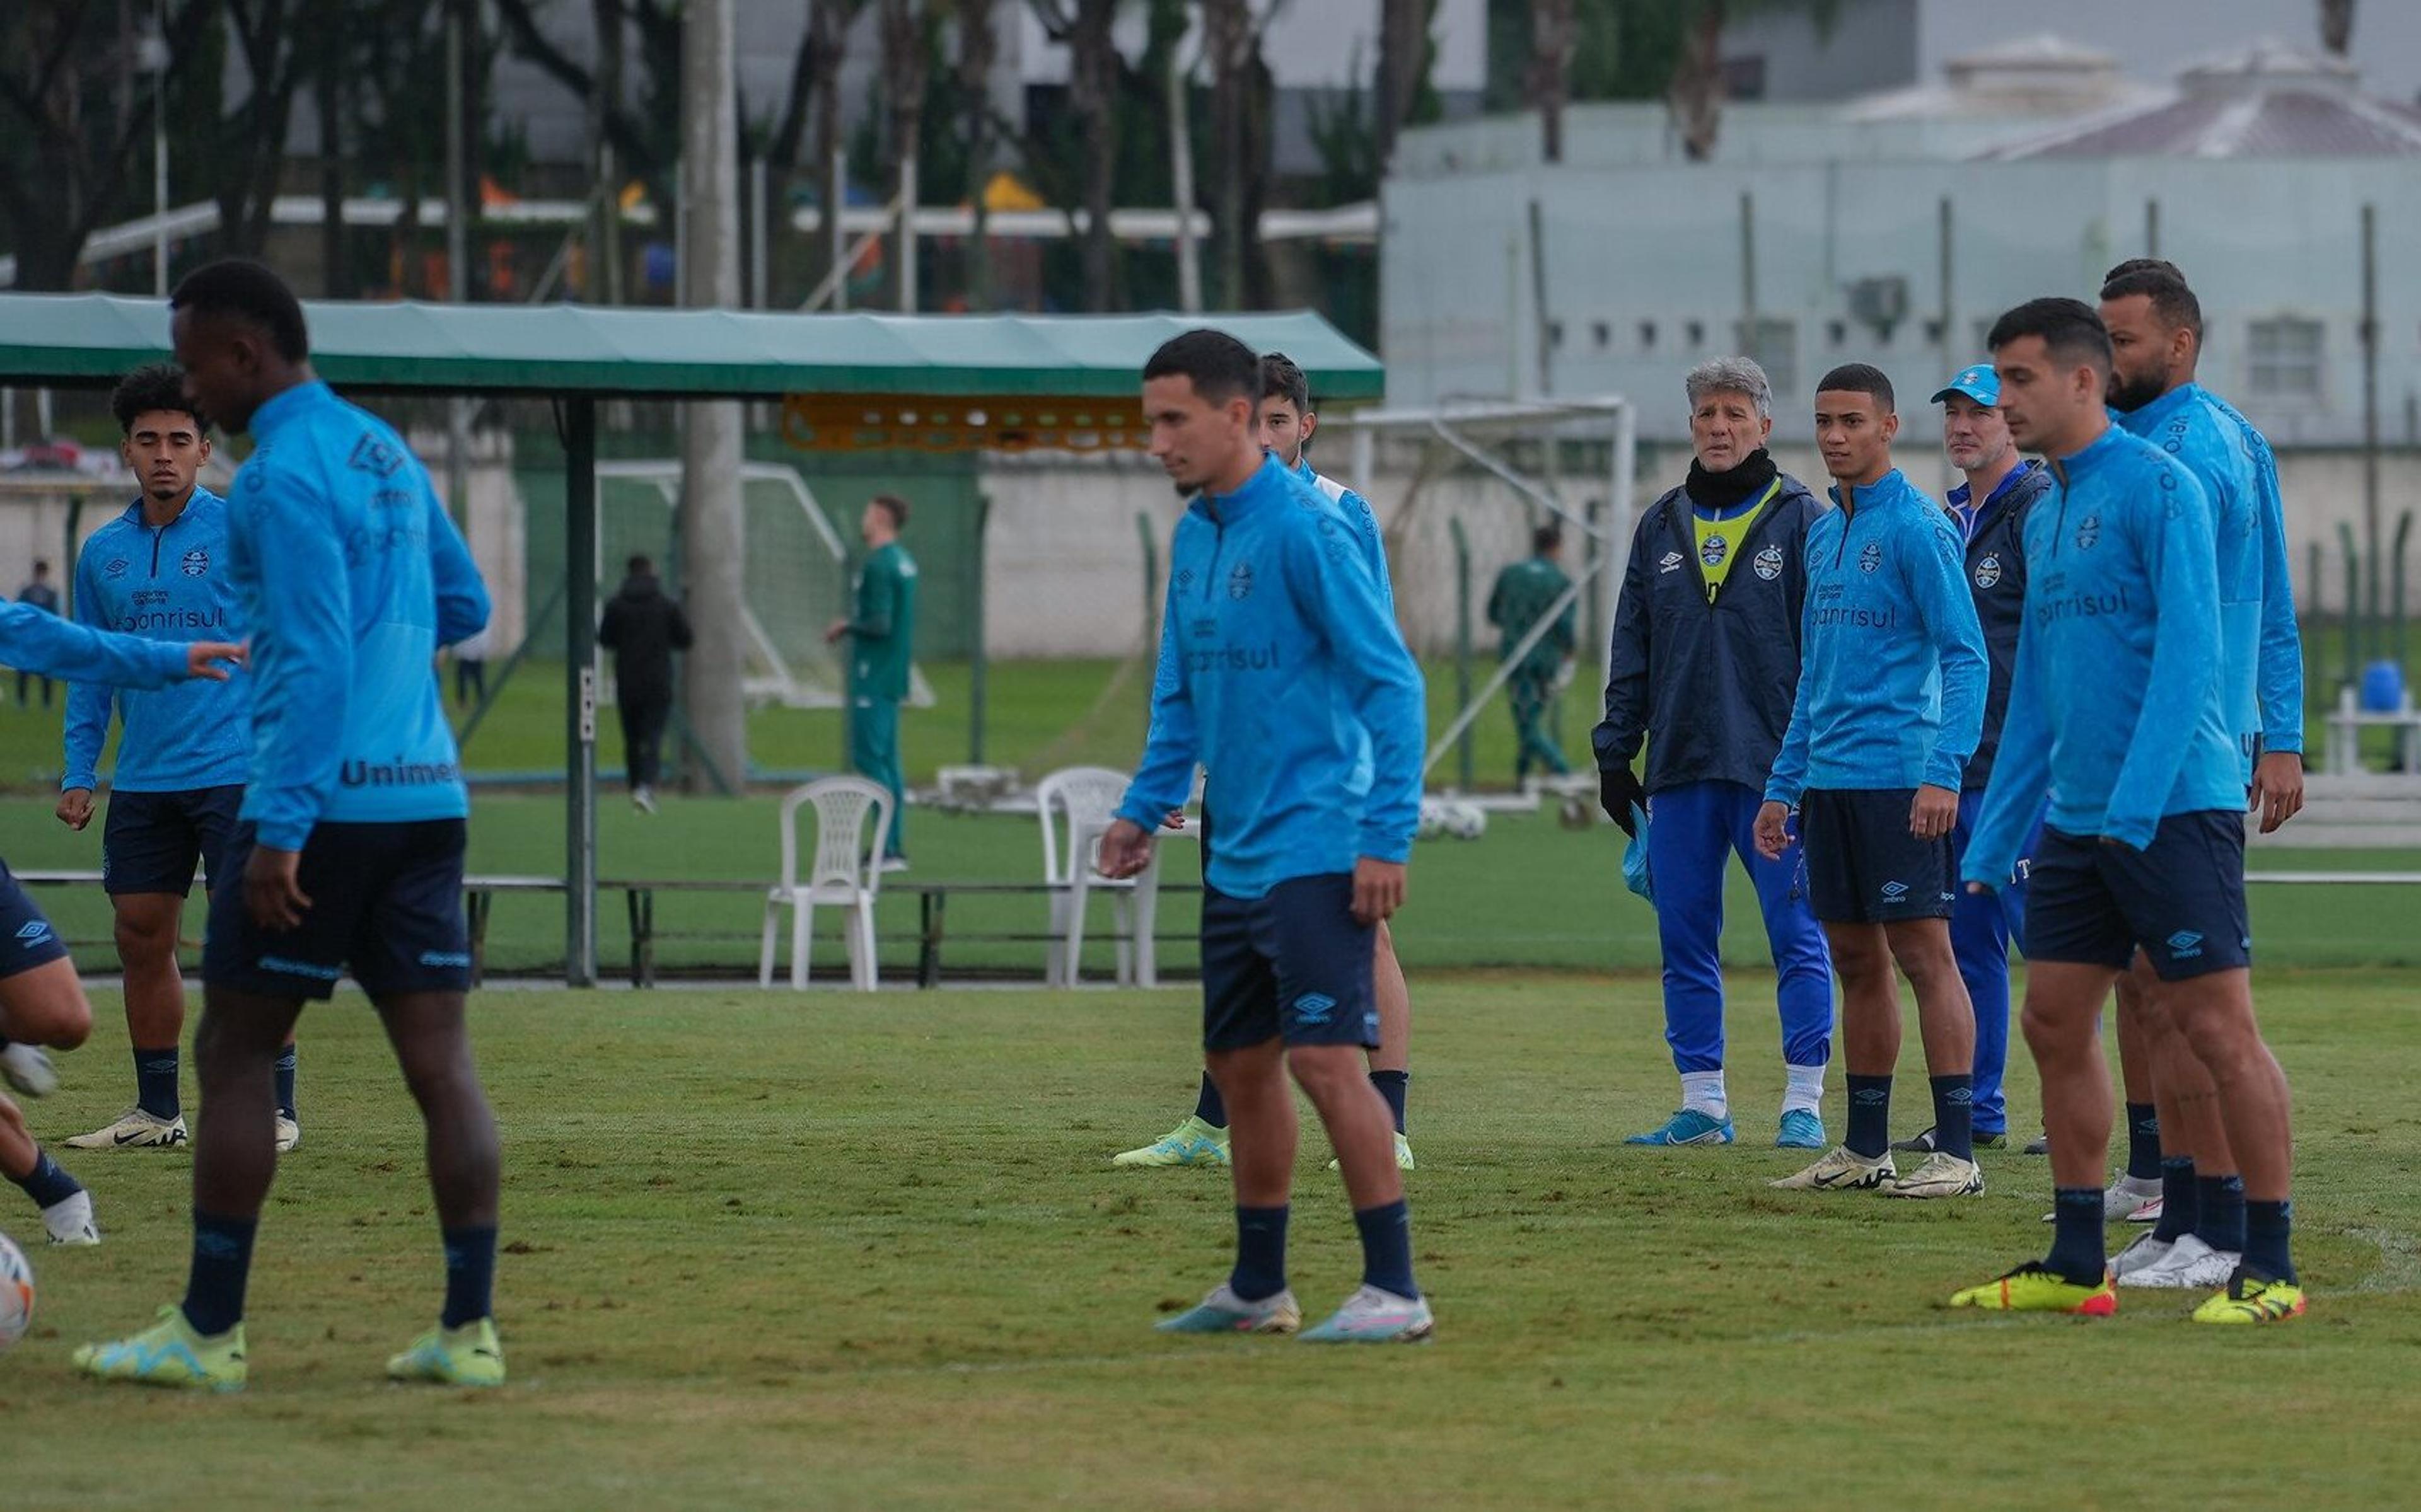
2253 1298
465 1356
1191 1143
171 1353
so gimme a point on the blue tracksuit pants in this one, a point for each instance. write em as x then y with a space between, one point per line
1693 833
1981 930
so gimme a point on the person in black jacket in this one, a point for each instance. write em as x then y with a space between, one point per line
1705 667
643 628
1991 510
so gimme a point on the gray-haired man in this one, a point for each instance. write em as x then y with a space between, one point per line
1705 668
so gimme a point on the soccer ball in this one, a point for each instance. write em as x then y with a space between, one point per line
16 1293
1463 820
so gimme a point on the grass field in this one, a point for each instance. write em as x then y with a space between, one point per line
767 1251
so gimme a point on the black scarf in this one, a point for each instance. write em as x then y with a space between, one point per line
1734 487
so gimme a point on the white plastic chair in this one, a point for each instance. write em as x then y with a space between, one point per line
1076 806
852 817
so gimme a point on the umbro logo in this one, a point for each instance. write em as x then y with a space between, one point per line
1670 562
2185 944
33 930
372 455
1314 1007
1894 892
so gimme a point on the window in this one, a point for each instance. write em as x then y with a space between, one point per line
1696 331
2285 354
1647 336
1774 345
1603 333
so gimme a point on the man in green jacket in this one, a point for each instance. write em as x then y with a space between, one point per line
1524 592
883 637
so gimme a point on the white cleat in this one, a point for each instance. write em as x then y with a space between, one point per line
1223 1312
2191 1265
2143 1253
2123 1198
133 1129
290 1133
1404 1156
1943 1175
644 800
1374 1317
1842 1169
28 1069
2149 1213
69 1220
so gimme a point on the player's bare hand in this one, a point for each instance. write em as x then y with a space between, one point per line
273 888
75 807
2278 789
202 658
1173 819
1378 890
1978 889
1126 850
1773 830
835 630
1933 813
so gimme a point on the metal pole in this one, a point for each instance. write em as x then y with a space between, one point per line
978 659
1618 538
907 234
1748 338
1463 650
2352 604
760 239
580 684
159 165
2370 534
2396 568
1180 174
833 229
458 266
1538 298
2151 227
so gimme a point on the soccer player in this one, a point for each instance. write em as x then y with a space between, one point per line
1286 424
1281 671
1990 507
2118 710
1889 711
351 845
159 571
1706 660
1522 593
41 1001
882 647
643 626
2155 325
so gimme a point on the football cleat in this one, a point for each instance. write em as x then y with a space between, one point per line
1687 1127
1403 1155
465 1356
2123 1197
1801 1128
2147 1250
1374 1317
2034 1287
2251 1298
1842 1169
290 1133
28 1069
70 1220
2191 1265
1191 1143
171 1353
2147 1212
1223 1312
1940 1175
2039 1145
132 1129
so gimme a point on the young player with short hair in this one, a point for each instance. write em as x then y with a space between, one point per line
350 575
1281 671
1890 708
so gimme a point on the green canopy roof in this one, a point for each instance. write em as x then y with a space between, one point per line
568 350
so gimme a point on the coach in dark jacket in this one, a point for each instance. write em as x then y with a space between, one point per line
643 628
1705 667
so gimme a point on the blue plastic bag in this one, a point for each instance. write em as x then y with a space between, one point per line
1635 858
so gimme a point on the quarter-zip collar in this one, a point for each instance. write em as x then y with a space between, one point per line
1267 483
1887 489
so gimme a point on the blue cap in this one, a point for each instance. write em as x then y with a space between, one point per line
1978 383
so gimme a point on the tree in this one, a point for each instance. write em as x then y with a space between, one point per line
1696 96
1084 28
76 123
978 45
2337 25
905 28
828 26
1406 52
1554 32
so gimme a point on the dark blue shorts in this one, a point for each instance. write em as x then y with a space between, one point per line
151 842
386 904
1863 867
1291 965
27 937
2180 900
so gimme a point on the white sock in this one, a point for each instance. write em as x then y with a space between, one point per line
1703 1092
1806 1088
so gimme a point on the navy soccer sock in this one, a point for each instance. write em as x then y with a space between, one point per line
1260 1253
2268 1226
1393 1085
2143 1142
2076 1245
155 1082
1953 1115
285 1084
222 1265
46 1183
1209 1105
2178 1203
1869 1116
470 1275
1387 1247
2220 1221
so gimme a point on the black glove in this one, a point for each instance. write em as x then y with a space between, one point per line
1617 790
